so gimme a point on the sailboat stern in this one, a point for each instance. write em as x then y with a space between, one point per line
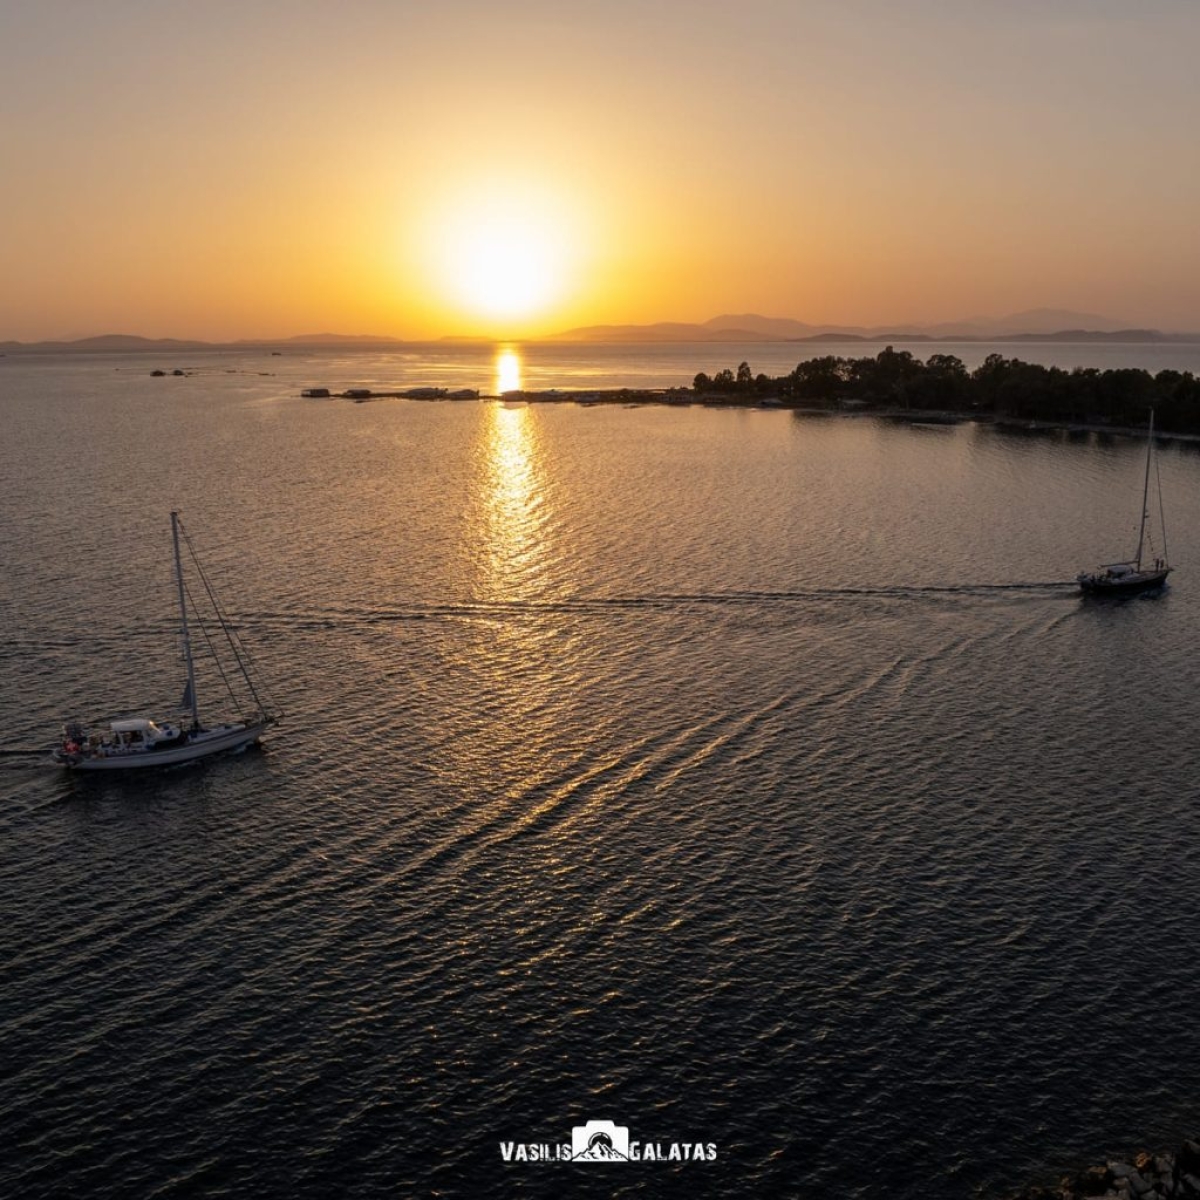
1123 579
72 745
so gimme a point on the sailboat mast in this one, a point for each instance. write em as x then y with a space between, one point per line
1145 491
183 620
1162 516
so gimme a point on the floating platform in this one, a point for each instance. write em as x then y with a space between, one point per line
415 393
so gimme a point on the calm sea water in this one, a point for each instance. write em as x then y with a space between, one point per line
739 777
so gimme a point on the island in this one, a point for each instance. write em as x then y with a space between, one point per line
1000 388
894 383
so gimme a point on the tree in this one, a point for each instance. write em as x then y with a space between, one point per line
819 379
943 383
885 379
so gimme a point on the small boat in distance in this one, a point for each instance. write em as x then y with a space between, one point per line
140 742
1135 575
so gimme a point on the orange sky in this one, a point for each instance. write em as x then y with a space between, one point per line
224 170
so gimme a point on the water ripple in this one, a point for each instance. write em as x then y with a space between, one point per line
609 788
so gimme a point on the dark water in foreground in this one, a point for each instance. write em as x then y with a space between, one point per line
687 769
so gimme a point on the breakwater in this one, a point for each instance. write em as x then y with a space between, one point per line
1146 1176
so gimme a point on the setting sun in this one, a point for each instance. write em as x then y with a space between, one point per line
504 268
503 254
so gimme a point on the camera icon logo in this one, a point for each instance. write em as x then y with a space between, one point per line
600 1141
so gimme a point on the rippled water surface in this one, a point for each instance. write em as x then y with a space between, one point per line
702 771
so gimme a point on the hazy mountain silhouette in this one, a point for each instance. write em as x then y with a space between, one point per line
749 327
108 341
324 339
1035 324
120 342
1031 320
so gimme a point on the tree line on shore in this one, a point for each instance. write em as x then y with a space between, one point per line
999 387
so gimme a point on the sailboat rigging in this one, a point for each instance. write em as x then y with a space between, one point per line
140 742
1135 575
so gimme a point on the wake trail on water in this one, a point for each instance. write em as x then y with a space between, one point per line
466 610
666 601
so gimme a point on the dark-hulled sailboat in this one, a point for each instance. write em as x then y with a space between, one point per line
1136 574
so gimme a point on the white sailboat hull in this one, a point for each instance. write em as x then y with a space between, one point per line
219 740
138 743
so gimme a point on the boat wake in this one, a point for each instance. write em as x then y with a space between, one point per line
334 618
343 616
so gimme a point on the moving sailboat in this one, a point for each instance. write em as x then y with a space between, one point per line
141 742
1136 575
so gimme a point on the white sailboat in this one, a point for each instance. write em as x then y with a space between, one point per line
1135 575
140 742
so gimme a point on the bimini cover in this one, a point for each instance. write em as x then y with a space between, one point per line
134 725
1120 569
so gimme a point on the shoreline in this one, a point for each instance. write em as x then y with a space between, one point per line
687 398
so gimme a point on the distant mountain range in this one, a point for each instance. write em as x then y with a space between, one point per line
1036 324
129 343
1033 324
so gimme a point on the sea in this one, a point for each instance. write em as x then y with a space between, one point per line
748 790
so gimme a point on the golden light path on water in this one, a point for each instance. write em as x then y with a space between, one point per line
523 669
508 371
513 503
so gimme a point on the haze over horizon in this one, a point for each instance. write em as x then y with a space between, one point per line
220 173
1034 323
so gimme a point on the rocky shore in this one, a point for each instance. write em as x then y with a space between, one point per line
1145 1177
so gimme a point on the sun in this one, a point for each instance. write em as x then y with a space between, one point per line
504 267
503 253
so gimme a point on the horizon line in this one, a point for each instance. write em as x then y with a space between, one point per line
610 334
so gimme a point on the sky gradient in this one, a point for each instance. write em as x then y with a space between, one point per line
227 170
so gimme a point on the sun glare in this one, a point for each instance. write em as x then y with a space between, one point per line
505 269
503 256
508 372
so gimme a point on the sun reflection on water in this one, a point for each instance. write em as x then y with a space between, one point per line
508 371
516 663
514 509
